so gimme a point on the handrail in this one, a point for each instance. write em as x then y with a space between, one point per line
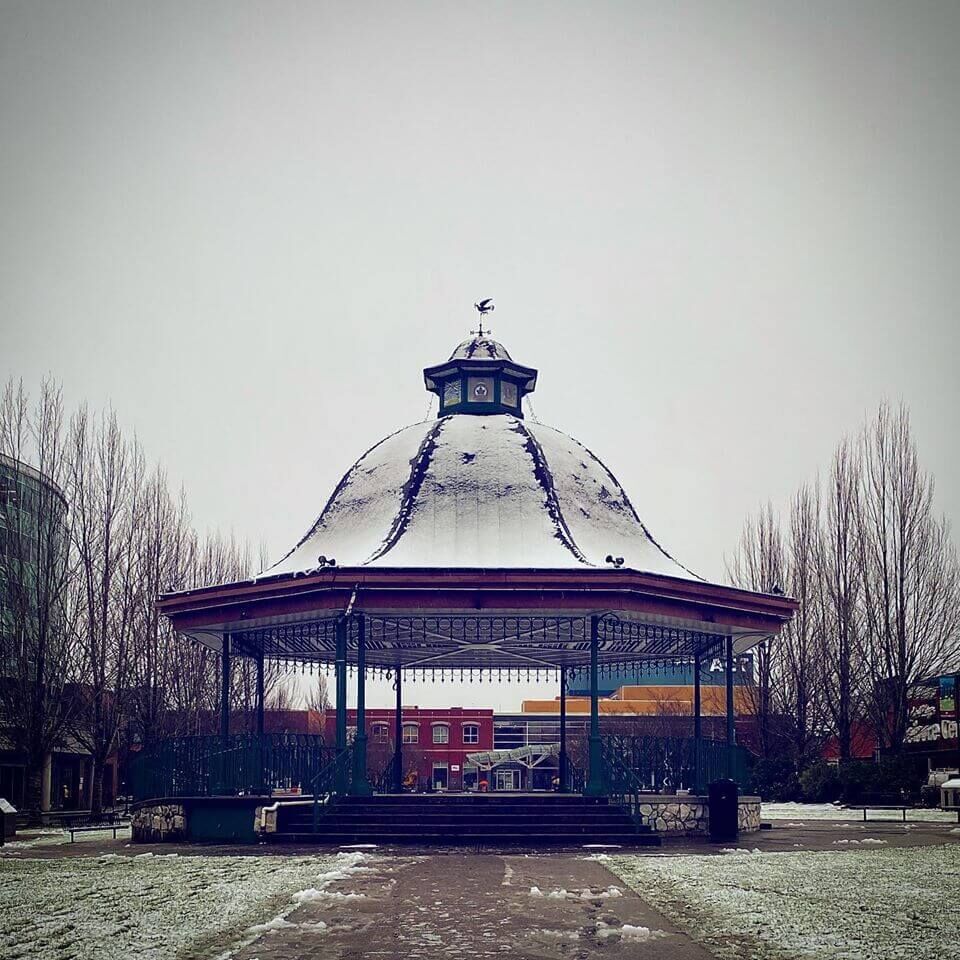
338 769
622 783
383 781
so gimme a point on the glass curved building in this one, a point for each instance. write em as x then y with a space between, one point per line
33 558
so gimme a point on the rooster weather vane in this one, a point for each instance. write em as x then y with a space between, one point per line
483 308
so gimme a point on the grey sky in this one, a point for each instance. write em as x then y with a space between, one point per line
722 231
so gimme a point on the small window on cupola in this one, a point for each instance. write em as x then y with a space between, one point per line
508 393
480 389
451 392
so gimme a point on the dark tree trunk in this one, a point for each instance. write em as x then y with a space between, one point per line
33 791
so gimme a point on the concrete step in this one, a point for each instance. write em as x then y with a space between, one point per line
422 838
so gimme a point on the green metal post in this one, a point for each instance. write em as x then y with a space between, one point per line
697 725
731 727
221 765
594 786
225 691
340 670
260 692
563 730
398 733
261 779
361 784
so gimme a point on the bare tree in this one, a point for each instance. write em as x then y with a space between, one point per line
799 649
165 545
318 694
911 584
107 491
760 563
840 593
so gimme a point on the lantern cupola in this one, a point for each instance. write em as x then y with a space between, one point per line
480 378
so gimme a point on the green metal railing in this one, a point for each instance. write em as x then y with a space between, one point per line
333 779
622 784
240 764
667 763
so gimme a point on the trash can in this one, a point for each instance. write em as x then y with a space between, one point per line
8 820
724 798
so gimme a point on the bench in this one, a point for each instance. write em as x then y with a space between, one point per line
902 807
98 827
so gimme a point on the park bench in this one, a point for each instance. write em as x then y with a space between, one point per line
902 807
90 828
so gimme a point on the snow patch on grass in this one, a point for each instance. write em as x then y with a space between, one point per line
872 905
829 811
151 908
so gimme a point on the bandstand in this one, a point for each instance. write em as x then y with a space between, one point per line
476 545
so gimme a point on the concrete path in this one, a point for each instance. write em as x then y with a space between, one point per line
477 906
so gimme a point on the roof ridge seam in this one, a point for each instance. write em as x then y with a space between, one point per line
411 490
344 482
544 477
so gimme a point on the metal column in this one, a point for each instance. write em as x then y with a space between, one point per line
225 690
697 724
731 728
594 787
564 786
340 670
361 784
260 694
398 733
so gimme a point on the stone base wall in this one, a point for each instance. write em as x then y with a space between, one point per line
159 823
748 814
691 815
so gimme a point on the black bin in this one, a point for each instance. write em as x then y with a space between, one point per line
724 797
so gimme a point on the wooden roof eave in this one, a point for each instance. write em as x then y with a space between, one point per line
229 606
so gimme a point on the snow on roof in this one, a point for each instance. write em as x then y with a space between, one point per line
479 491
480 348
953 784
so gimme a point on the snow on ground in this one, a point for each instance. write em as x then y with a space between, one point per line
869 905
153 907
34 838
804 812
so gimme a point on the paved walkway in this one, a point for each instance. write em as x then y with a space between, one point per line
477 906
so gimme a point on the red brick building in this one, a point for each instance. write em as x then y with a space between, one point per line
436 742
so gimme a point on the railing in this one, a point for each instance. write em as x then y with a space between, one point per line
668 763
622 784
384 780
331 780
576 779
242 764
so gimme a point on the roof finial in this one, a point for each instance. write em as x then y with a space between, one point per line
483 307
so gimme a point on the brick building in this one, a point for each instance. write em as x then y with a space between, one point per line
436 742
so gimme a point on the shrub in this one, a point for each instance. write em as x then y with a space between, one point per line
775 779
820 783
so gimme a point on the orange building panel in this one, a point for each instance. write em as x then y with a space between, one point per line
650 701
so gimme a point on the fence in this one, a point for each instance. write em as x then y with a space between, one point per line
242 764
667 763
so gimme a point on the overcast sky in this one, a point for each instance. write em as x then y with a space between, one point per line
723 232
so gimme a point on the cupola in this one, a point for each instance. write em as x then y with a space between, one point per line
480 378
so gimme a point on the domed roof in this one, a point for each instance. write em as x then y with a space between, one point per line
479 491
480 347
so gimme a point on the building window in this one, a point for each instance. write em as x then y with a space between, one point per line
440 776
471 733
441 733
381 733
411 733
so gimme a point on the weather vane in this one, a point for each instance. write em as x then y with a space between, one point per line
483 308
